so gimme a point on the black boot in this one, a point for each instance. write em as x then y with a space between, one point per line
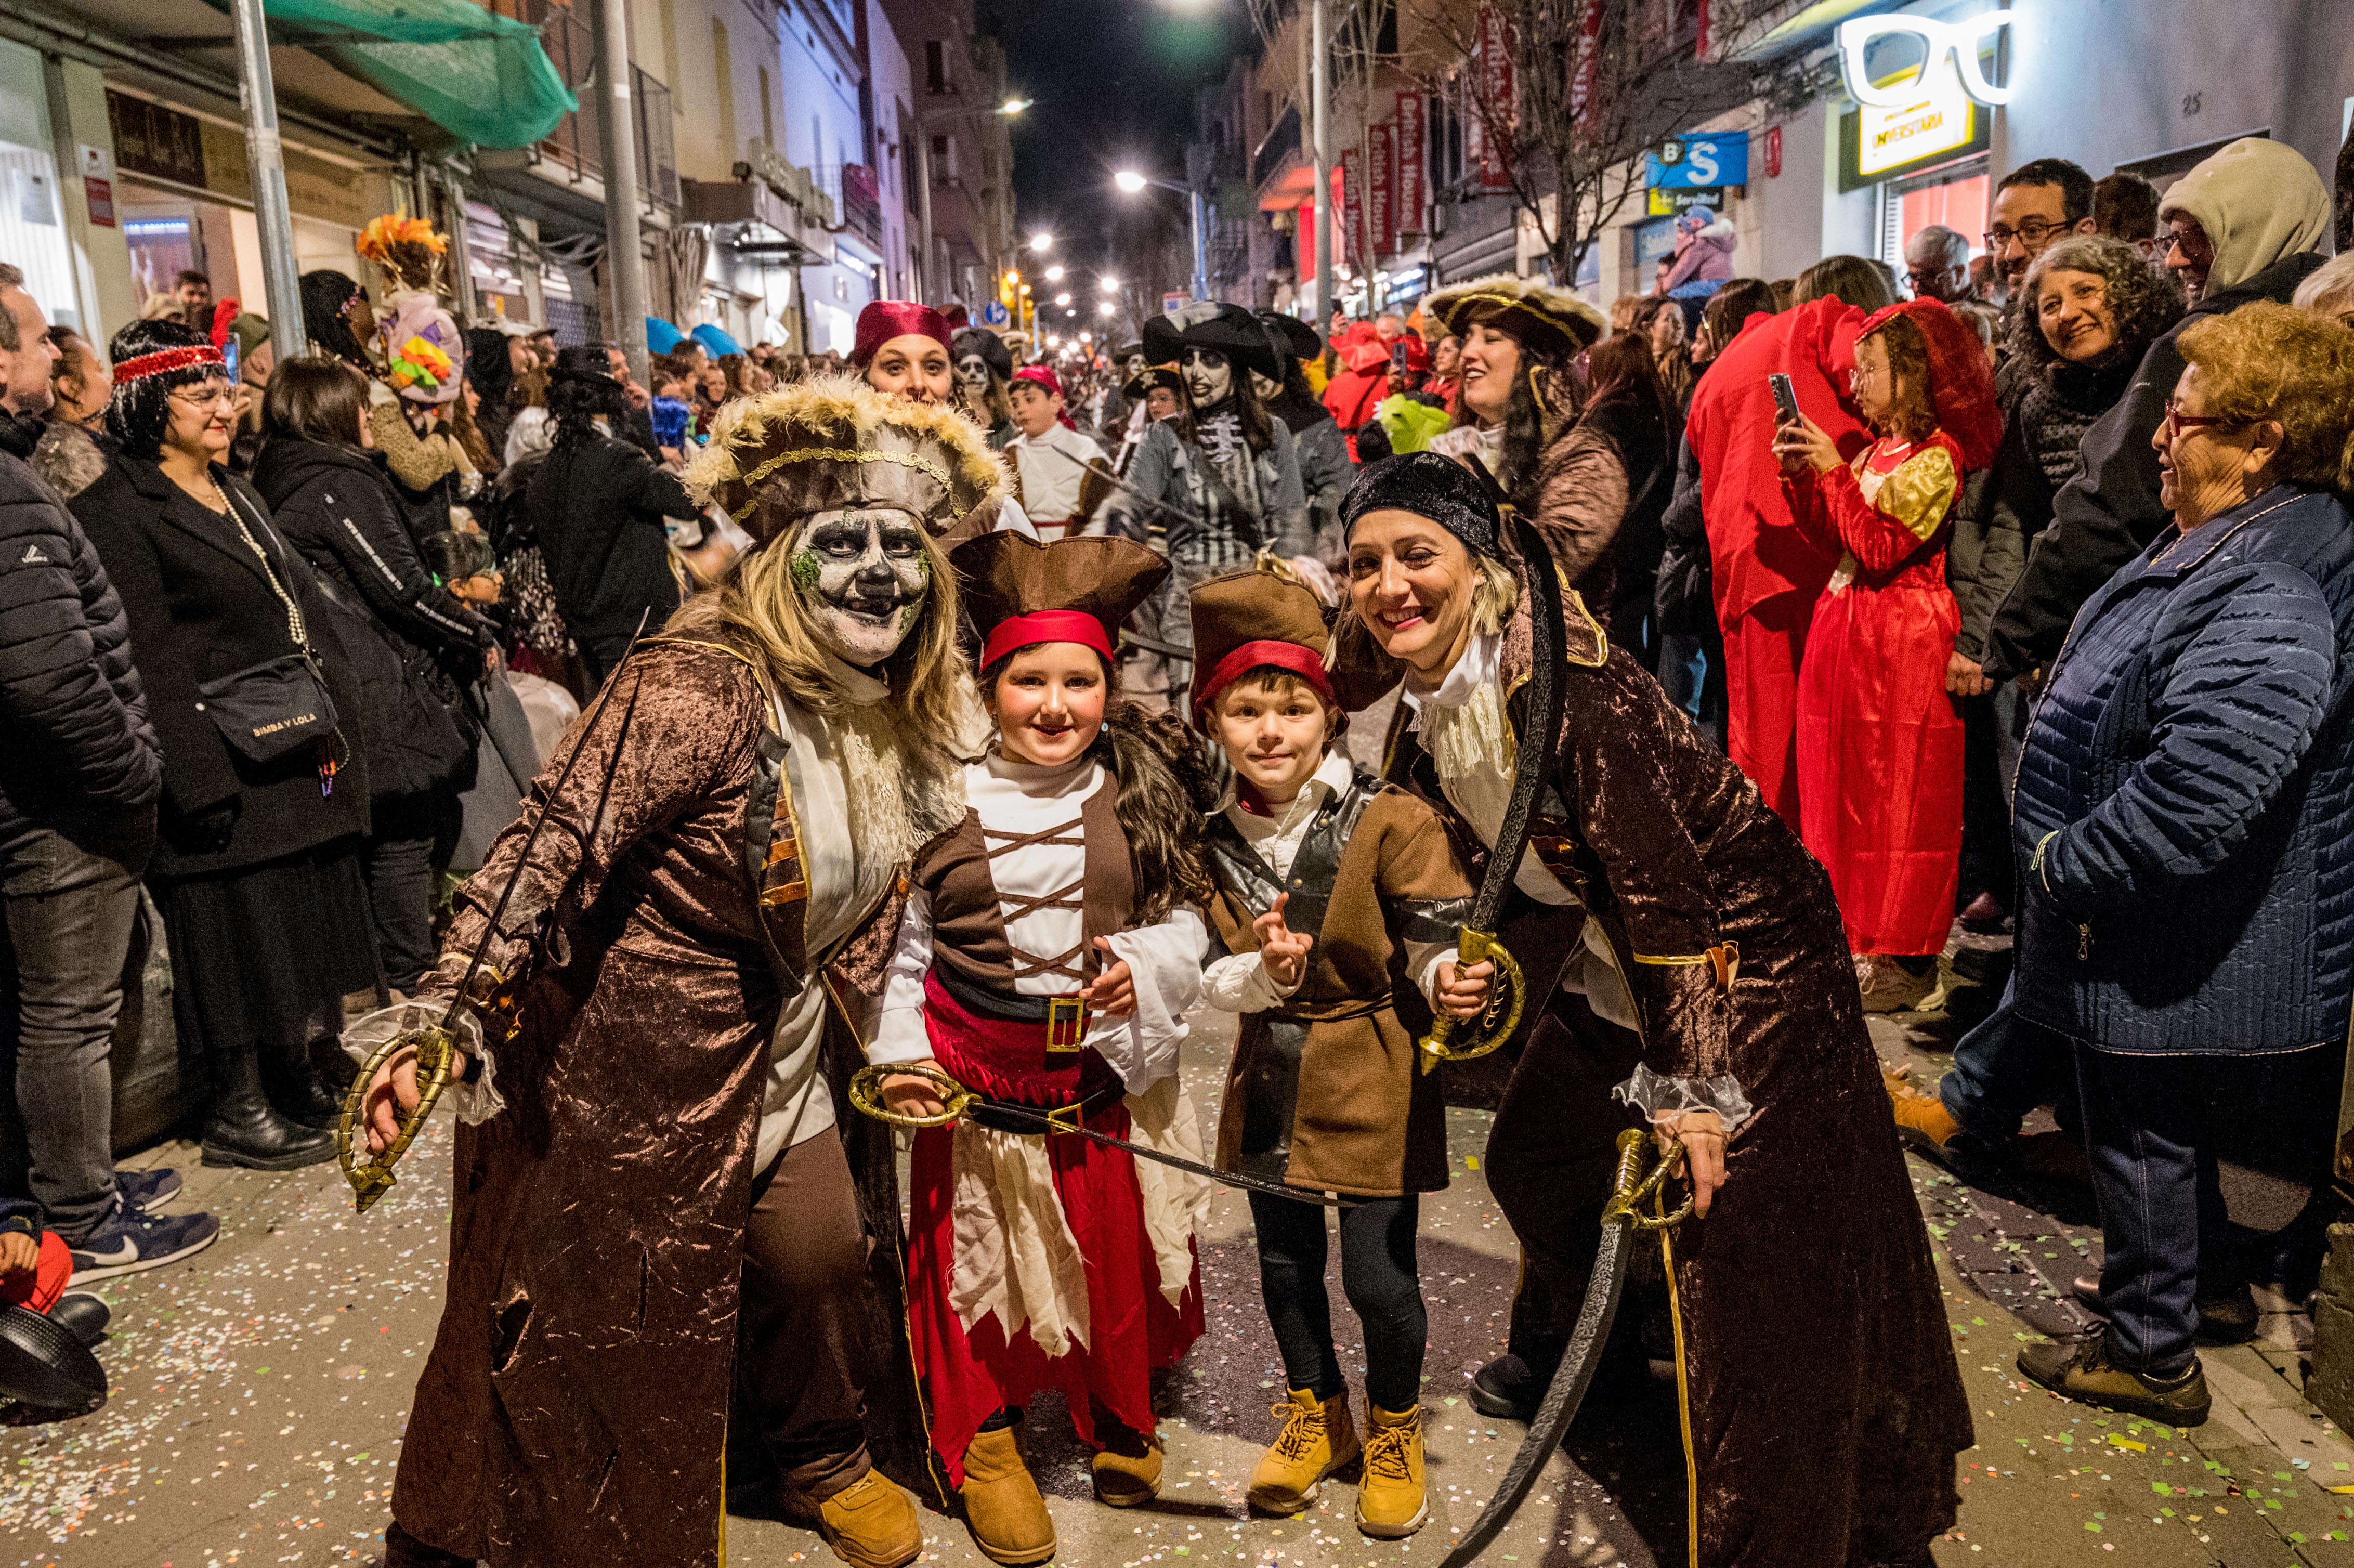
243 1129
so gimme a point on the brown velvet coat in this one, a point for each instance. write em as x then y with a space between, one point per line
576 1402
1827 1404
1326 1092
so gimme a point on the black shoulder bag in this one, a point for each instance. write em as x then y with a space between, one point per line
266 710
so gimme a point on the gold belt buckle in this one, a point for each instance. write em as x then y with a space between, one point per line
1066 1023
1065 1119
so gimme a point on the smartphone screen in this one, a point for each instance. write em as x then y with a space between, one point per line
1785 398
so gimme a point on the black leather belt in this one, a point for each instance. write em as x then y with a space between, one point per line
1037 1121
1065 1016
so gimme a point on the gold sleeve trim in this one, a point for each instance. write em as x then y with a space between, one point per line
1920 491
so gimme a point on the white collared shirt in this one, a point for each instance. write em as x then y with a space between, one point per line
1052 467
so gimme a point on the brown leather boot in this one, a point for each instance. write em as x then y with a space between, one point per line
1319 1436
1128 1467
870 1523
1001 1506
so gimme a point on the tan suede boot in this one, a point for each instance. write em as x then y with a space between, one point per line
1001 1506
1128 1467
1319 1436
871 1523
1392 1502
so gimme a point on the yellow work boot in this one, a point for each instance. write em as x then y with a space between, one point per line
870 1523
1128 1467
1391 1500
1319 1436
1921 1118
1001 1506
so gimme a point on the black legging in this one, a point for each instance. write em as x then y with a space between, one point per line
1377 1271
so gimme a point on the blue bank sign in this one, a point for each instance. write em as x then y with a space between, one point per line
1687 163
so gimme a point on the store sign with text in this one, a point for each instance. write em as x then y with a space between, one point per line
1352 206
1687 162
1935 120
1381 190
1413 145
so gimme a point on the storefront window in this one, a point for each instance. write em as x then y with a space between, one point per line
1955 196
32 224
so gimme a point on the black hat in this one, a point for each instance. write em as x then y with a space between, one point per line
1294 338
1428 485
1229 330
43 1363
1126 351
988 346
1140 386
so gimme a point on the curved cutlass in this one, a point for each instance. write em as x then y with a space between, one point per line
1540 730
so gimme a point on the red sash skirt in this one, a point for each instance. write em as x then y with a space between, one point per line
1132 1331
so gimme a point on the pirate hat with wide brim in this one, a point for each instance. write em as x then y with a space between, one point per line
1151 377
44 1365
1021 591
1551 321
1229 330
1294 338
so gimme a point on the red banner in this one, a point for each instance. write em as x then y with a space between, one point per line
1494 91
1412 144
1381 190
1352 207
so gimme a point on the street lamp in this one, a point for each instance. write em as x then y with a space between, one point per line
924 282
1107 310
1041 242
1108 283
1063 298
1054 273
1130 183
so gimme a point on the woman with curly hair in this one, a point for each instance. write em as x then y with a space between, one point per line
1880 745
1519 338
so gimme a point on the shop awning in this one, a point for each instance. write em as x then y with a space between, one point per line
480 77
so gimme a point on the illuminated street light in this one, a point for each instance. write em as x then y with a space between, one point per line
1053 341
1063 298
1131 182
1041 242
1054 273
1012 277
1012 106
1086 337
1107 310
1128 181
1073 314
1108 283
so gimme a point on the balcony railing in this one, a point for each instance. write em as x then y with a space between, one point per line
575 144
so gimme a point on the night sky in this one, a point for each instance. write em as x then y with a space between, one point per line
1113 82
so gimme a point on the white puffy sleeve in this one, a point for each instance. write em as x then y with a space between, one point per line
1239 983
899 1033
1165 962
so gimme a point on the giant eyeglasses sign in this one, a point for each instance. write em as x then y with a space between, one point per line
1961 40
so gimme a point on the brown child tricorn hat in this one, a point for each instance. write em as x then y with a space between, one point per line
1245 619
1073 591
831 443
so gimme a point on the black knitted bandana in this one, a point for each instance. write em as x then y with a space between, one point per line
1427 485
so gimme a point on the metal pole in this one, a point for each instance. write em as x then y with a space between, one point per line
617 128
1194 205
924 290
1317 72
266 161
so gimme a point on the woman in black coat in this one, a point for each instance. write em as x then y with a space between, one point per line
258 865
410 643
600 506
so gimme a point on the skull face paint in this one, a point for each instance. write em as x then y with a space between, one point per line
1269 391
1209 377
972 373
864 576
1131 368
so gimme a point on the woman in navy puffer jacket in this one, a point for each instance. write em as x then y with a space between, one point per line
2185 824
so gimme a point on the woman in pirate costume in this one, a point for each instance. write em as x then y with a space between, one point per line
1049 952
720 868
1720 1008
984 368
1220 482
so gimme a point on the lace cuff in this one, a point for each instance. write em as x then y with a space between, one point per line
1658 1096
474 1102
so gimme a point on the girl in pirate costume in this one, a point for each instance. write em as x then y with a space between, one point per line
1339 899
1048 954
1221 480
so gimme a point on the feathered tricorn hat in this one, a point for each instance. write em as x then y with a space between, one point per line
832 441
1551 321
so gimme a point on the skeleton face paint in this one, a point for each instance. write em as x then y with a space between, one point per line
972 373
1268 390
1208 376
864 576
1131 368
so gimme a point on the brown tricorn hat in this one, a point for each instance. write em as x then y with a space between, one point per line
831 442
1073 591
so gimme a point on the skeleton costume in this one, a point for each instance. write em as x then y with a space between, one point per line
1037 1262
983 367
665 1120
1215 496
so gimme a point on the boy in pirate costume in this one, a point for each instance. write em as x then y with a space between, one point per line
1049 952
1339 899
721 865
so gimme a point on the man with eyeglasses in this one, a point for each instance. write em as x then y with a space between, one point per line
2036 204
1937 265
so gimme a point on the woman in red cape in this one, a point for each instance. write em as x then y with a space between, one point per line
1880 742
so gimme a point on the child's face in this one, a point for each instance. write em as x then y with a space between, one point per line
1034 407
483 587
1275 738
1048 703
